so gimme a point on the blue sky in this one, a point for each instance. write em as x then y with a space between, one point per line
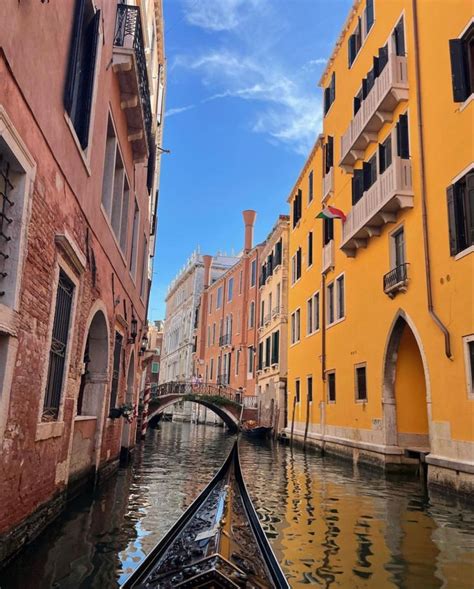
243 110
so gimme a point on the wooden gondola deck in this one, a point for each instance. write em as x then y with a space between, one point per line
218 542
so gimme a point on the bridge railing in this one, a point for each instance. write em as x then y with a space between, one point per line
202 389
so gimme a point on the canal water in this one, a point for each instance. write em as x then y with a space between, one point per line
330 525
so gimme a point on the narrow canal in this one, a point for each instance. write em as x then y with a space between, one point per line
329 524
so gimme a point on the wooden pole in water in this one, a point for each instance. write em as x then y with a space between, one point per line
146 402
293 420
307 421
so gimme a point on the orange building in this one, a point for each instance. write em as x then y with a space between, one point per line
226 337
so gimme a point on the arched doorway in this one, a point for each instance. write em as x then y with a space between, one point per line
406 399
90 401
126 429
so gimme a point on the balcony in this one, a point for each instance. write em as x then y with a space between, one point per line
396 280
328 184
379 205
225 340
376 109
328 256
129 63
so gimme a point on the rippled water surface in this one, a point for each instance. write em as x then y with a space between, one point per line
330 525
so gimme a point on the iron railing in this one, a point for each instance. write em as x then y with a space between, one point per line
267 318
225 340
396 278
5 220
128 33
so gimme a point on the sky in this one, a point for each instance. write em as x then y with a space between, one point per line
243 110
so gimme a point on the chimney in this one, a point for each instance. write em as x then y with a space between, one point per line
207 270
249 220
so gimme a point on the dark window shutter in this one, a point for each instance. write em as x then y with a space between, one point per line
469 208
326 100
381 159
458 71
332 94
357 185
399 35
89 80
150 173
351 49
383 58
403 148
453 237
73 72
356 104
369 14
376 68
367 175
388 152
330 153
364 88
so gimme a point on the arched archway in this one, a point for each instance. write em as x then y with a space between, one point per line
406 395
129 392
230 420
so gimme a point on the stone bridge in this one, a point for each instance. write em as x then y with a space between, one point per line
232 406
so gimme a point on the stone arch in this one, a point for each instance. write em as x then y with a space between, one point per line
227 417
403 337
96 365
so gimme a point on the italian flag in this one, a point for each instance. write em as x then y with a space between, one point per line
331 213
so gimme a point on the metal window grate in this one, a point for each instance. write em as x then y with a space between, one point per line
6 203
59 341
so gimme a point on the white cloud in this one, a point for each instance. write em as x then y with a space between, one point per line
219 15
178 110
289 113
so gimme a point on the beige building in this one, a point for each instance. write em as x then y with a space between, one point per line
273 326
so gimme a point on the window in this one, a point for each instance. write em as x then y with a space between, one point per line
133 250
252 315
230 289
237 362
297 210
211 369
399 38
115 188
310 187
331 386
295 327
210 303
330 94
370 172
328 230
155 367
240 282
59 347
297 390
260 356
298 263
310 249
469 362
403 146
357 101
253 273
213 333
208 335
361 383
268 347
369 15
398 248
385 154
461 213
278 297
275 347
309 316
219 298
250 360
278 253
144 272
355 43
328 155
340 297
309 387
116 369
262 312
80 76
330 303
462 65
316 311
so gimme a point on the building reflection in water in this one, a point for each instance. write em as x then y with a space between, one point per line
330 524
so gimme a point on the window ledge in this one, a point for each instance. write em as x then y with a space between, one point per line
466 103
335 322
49 429
465 252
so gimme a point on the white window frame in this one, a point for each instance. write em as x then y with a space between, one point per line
295 326
467 364
356 383
328 372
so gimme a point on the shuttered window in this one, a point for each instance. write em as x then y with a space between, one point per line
310 187
297 209
330 303
260 356
330 94
399 38
331 387
369 170
328 155
275 347
462 65
278 253
357 186
58 350
297 391
268 347
355 43
310 249
369 15
403 146
361 383
310 388
461 214
298 264
328 230
80 77
116 369
385 154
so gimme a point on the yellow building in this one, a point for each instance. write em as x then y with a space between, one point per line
273 326
381 343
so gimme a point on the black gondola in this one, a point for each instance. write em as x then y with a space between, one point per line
218 542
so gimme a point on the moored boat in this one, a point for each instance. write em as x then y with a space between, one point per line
257 431
217 542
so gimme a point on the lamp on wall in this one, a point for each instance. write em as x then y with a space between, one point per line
133 330
144 344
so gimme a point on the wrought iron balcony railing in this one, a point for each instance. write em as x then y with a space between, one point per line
225 340
129 36
396 280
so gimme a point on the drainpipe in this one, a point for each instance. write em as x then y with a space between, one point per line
429 292
323 359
